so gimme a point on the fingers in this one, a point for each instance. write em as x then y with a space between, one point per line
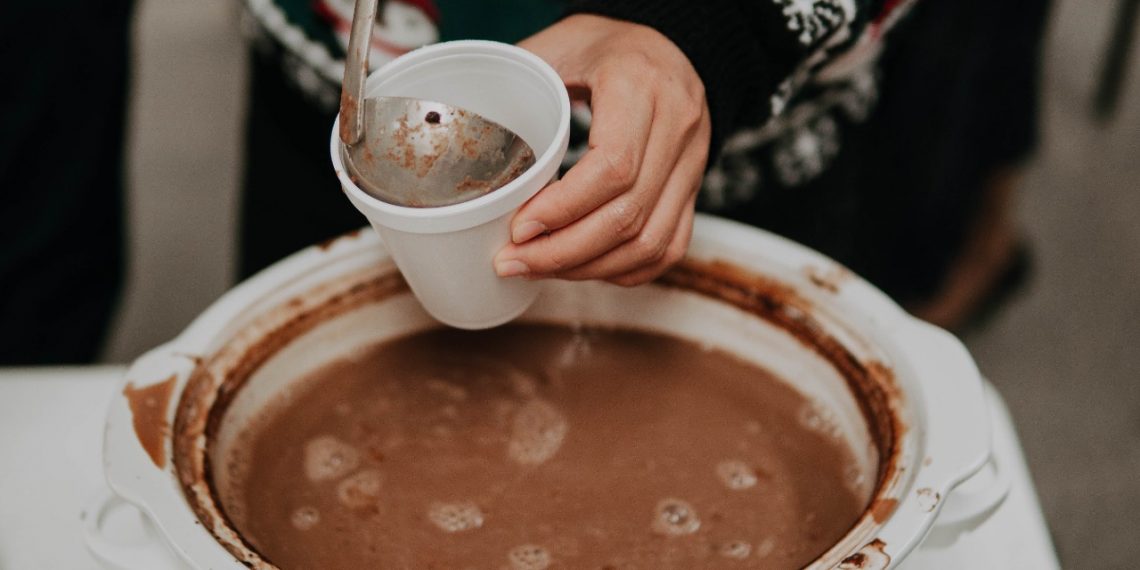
623 219
618 221
671 203
618 237
673 253
611 166
652 245
624 213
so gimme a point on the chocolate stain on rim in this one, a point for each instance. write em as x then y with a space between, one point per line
207 396
871 557
872 383
882 509
148 415
928 498
829 280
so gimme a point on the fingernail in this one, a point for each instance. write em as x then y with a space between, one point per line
511 267
527 231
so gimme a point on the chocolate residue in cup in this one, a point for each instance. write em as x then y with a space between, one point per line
148 414
469 184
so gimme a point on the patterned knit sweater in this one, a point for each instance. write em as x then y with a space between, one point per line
876 157
773 70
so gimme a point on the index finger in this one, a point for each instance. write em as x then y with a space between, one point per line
619 134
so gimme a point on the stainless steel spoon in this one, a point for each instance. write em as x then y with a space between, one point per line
412 152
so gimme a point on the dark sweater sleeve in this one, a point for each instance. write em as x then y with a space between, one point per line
746 52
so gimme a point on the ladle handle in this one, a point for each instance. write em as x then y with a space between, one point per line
356 71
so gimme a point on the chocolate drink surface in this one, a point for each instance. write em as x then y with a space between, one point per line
538 446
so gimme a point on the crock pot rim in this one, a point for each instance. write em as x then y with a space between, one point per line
135 478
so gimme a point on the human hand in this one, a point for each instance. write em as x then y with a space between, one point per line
624 212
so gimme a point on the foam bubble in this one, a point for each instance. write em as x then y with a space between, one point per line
855 478
765 547
736 549
456 517
305 518
736 475
327 457
362 489
500 372
537 432
528 557
674 517
816 417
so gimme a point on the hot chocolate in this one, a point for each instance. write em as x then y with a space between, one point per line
535 446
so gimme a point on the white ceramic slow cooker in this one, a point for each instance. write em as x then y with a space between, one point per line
906 396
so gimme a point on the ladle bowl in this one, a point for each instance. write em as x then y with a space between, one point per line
426 154
411 152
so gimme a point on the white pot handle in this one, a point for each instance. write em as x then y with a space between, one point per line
128 542
976 498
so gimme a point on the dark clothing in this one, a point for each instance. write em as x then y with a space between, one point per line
881 169
957 104
291 197
902 181
61 177
880 163
744 51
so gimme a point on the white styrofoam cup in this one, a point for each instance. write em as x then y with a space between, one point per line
446 253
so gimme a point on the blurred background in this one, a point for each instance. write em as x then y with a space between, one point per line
1064 352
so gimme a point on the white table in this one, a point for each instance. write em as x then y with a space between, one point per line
51 424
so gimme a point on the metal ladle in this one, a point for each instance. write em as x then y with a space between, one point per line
417 153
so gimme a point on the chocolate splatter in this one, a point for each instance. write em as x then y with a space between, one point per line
148 414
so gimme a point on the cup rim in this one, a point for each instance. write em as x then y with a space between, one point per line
471 213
